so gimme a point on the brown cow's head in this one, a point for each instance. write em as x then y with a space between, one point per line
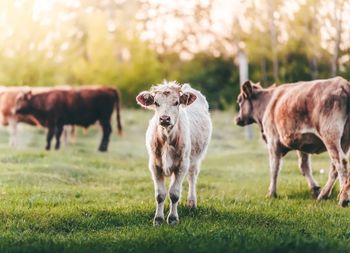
245 101
23 102
166 99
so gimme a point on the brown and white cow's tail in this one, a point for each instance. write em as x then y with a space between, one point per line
117 110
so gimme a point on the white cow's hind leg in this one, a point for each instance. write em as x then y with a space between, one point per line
13 132
192 182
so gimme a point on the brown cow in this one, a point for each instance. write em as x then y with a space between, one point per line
8 117
81 107
310 117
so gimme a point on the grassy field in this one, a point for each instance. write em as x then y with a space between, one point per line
79 200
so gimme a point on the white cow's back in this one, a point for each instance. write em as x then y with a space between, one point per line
199 123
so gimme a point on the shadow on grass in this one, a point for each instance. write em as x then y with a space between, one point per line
206 229
307 195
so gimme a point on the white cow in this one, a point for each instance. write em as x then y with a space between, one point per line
176 139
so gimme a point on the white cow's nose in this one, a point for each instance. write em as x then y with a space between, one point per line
164 120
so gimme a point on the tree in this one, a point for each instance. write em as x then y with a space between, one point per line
338 6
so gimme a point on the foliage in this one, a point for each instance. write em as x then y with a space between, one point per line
129 45
215 77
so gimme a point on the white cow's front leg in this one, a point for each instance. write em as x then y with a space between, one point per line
175 193
160 195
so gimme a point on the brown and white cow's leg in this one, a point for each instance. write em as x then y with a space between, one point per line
327 189
275 162
339 161
175 193
305 168
192 182
50 134
160 195
107 129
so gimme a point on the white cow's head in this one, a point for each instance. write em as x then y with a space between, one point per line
165 99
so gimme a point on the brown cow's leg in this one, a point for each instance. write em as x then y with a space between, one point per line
107 129
327 189
305 168
49 137
275 161
58 134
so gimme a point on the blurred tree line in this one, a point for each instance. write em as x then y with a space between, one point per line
134 44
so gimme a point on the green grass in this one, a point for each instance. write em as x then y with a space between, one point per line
79 200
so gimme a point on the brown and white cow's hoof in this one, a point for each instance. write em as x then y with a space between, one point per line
315 191
158 221
192 204
172 219
344 203
271 195
323 195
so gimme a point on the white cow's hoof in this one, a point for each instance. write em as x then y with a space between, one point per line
271 195
191 204
158 221
173 220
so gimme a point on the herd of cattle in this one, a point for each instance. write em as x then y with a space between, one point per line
57 107
309 117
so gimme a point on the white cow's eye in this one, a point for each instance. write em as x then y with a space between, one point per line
176 103
156 104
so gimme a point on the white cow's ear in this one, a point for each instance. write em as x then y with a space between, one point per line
145 99
187 98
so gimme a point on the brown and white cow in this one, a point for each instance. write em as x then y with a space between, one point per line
310 117
8 96
81 106
176 139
